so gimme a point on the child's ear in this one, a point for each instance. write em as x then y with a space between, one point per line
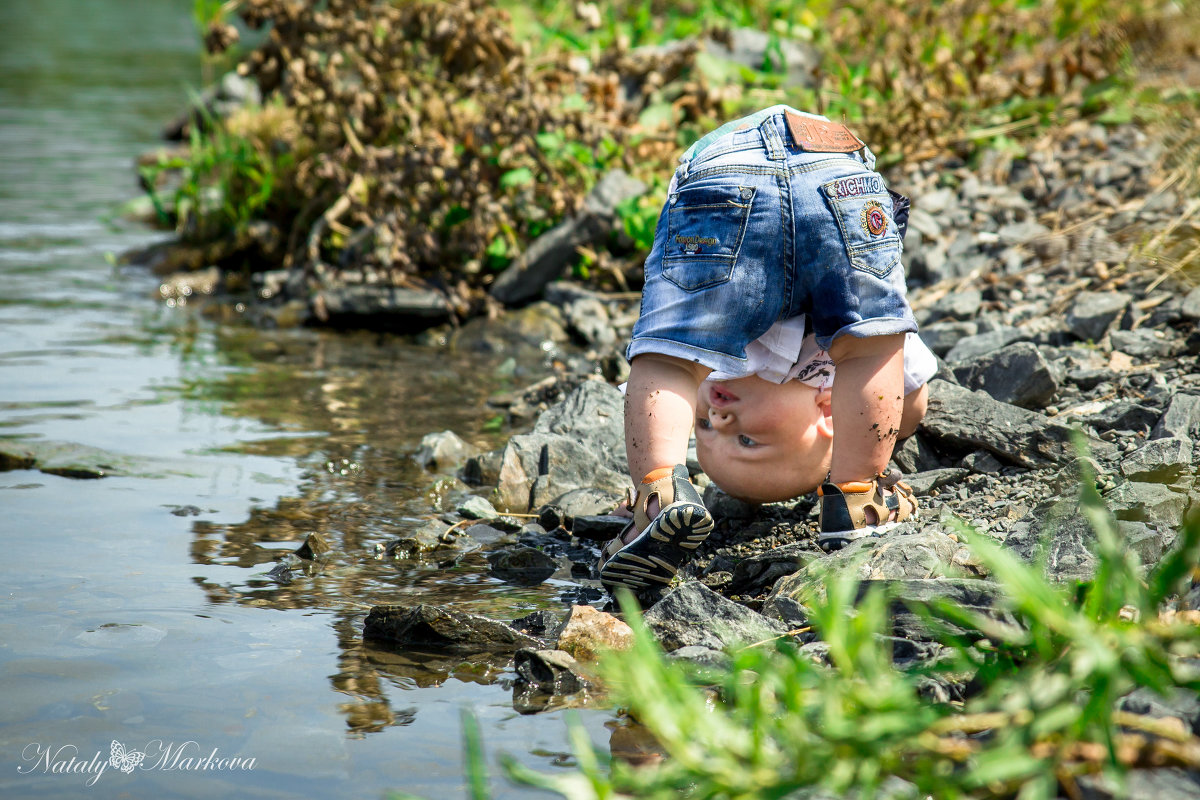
824 401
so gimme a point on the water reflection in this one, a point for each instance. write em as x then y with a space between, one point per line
371 397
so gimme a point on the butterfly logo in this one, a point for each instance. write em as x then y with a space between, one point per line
122 759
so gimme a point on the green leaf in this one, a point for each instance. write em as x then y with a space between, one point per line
658 115
521 176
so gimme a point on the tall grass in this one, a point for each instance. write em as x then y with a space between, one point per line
1042 703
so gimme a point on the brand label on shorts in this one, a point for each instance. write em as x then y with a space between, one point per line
694 244
854 187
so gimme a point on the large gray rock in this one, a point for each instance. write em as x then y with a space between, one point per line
966 420
969 594
1161 460
1016 374
694 615
1181 419
579 443
1151 503
764 569
1091 313
980 344
434 627
898 556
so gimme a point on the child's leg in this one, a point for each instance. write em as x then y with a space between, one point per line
868 402
660 407
669 518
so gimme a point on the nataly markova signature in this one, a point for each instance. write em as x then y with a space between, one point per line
157 755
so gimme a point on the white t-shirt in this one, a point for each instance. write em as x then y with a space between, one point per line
784 353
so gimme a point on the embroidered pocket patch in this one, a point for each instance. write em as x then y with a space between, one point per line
868 231
874 220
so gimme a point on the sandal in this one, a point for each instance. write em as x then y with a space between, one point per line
844 509
665 542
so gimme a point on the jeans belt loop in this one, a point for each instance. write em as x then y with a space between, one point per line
774 144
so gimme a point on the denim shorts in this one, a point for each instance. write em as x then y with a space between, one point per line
756 230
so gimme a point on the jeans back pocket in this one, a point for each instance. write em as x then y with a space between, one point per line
863 210
705 228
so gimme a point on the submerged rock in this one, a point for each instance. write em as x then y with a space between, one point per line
525 566
427 626
547 679
442 451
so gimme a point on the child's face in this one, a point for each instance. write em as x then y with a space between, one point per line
763 442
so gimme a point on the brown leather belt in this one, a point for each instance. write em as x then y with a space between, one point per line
818 136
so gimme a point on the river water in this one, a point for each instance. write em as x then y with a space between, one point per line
136 613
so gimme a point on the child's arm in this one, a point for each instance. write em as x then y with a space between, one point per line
867 404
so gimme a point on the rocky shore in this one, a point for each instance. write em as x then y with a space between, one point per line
1053 330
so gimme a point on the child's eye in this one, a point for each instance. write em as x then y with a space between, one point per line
746 441
702 423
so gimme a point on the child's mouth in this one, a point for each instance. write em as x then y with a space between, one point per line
719 396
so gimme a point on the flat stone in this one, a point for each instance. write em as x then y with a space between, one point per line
548 673
915 455
599 527
421 307
764 569
1142 343
426 538
70 460
940 337
923 483
1125 415
586 501
962 305
476 507
893 557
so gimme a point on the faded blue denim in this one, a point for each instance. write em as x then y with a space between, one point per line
756 230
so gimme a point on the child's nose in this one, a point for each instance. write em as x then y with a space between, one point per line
718 418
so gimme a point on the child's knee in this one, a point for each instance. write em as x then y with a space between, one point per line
850 346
